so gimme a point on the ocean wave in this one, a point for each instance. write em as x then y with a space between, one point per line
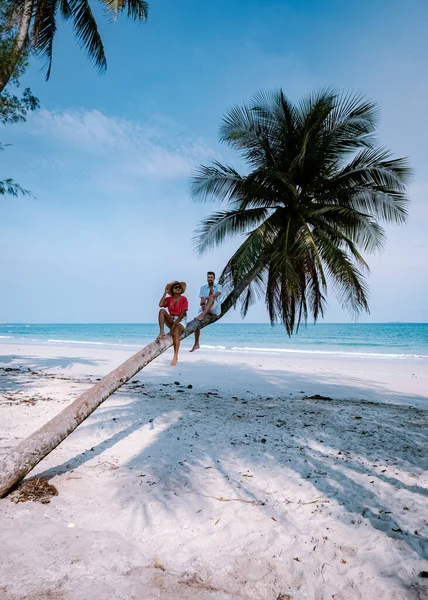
207 346
55 341
338 353
225 345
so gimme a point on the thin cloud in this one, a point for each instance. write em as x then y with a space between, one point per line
138 149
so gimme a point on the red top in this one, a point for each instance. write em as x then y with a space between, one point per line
176 309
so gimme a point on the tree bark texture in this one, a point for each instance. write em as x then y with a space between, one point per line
32 450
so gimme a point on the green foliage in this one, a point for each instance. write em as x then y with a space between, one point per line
311 204
12 108
7 38
10 187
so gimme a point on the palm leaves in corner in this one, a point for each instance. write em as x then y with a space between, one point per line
9 187
318 188
44 17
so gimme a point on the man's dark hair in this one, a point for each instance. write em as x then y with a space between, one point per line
211 273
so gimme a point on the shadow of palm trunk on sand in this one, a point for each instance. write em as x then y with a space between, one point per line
195 449
38 445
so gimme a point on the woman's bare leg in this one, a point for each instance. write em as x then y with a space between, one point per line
164 317
176 340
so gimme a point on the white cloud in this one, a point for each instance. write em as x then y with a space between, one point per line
151 149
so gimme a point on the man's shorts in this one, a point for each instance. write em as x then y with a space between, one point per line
215 308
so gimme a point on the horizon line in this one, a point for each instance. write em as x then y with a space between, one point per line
6 323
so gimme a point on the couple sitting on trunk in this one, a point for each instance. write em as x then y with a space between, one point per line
174 307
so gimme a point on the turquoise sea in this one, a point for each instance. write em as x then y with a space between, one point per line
398 341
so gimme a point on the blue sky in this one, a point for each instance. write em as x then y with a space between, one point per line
108 157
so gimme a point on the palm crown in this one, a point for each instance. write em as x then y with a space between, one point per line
317 189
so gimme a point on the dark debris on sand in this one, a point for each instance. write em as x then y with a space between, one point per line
34 490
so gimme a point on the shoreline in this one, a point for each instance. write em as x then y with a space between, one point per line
392 381
406 341
221 348
223 456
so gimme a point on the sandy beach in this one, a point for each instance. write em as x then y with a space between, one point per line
229 477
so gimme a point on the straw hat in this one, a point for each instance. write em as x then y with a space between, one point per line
182 283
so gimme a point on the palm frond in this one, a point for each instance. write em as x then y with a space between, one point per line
244 130
254 292
313 112
254 250
11 188
216 182
388 207
352 122
135 9
87 33
214 229
375 166
373 183
44 29
65 9
346 222
348 280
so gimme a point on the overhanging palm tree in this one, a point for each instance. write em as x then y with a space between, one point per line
317 189
35 22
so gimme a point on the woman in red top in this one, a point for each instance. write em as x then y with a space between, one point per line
176 315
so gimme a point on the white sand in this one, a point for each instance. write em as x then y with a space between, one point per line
236 488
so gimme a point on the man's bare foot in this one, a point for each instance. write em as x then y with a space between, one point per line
200 317
161 335
195 347
174 361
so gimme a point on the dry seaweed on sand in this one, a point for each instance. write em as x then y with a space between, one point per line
34 490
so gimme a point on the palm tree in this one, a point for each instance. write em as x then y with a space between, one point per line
316 189
35 22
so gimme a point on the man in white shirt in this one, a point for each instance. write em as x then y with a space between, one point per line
210 303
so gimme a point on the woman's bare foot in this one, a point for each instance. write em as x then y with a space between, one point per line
200 317
161 335
174 361
195 347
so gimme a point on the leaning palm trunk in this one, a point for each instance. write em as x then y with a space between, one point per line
33 449
8 68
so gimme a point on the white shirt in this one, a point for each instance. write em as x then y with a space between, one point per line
205 292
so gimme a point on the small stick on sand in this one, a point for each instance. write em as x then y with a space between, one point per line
255 502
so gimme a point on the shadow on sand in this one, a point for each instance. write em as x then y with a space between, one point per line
330 444
18 373
24 362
